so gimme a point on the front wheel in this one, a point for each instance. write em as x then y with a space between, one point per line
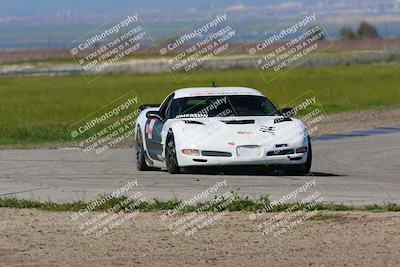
171 160
302 169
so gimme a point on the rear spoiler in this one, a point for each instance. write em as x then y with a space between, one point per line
143 107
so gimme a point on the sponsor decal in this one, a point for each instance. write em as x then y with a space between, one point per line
244 132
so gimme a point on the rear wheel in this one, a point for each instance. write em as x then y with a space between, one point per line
170 155
302 169
141 164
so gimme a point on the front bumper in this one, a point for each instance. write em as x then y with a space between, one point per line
236 159
241 142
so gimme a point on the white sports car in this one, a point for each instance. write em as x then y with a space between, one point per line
210 126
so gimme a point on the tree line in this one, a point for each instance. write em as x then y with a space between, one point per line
363 31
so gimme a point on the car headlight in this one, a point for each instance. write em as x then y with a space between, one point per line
301 150
192 152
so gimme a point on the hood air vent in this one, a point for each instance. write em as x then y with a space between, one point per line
240 122
282 119
193 122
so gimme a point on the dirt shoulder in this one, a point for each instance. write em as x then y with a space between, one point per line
39 238
360 120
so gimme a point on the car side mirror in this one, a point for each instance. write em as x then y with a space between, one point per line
288 112
154 115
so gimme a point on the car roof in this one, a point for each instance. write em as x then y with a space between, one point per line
215 91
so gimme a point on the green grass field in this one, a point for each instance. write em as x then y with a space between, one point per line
38 110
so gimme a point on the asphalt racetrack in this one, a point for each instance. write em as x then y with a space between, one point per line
354 170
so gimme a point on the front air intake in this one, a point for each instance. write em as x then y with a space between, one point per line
280 152
216 154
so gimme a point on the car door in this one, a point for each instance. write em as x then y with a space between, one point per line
153 129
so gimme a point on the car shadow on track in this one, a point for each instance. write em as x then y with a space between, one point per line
247 171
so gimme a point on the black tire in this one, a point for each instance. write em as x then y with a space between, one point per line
141 164
170 155
303 169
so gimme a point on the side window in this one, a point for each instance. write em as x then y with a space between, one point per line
164 109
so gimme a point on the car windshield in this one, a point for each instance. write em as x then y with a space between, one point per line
222 106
